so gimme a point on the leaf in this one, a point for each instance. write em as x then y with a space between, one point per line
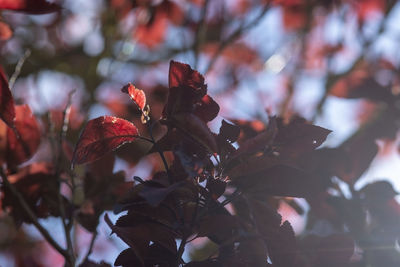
127 258
378 191
282 246
30 6
218 227
5 31
181 74
280 180
21 148
138 96
196 128
216 187
260 141
137 232
152 33
7 109
182 99
38 185
354 157
102 135
207 109
229 131
155 195
298 136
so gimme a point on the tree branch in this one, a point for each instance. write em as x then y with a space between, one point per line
33 217
235 35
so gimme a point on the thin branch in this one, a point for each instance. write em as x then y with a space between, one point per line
18 68
92 241
150 126
200 33
32 216
333 78
181 249
67 227
235 35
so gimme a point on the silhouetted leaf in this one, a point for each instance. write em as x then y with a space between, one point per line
196 128
207 109
229 131
154 195
259 142
102 135
298 136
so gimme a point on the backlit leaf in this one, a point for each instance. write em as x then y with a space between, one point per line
138 96
102 135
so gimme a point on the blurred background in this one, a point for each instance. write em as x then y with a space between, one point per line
334 62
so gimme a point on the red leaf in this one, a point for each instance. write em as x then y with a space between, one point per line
152 34
30 6
183 75
7 109
22 148
138 96
102 135
5 31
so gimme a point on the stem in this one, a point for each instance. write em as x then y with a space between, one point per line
67 227
161 153
33 217
200 33
181 249
18 68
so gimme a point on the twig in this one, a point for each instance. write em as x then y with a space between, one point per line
181 249
92 241
332 79
200 33
236 34
150 126
67 227
18 68
32 216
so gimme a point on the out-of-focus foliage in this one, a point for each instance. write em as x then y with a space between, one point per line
220 152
